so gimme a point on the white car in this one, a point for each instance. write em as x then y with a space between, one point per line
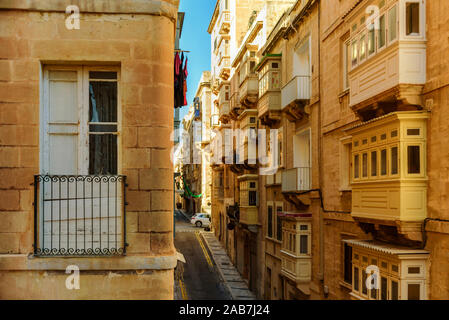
201 220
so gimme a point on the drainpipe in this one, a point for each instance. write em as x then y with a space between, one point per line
320 160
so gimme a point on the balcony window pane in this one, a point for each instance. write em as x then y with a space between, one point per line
103 154
394 290
270 222
374 163
371 41
303 244
414 163
381 33
279 224
356 167
365 165
414 291
362 48
356 279
383 162
394 160
392 24
348 264
383 288
354 53
412 18
252 195
364 287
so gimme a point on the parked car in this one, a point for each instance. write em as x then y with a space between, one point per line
201 220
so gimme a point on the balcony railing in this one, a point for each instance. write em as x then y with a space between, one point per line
296 179
79 215
298 89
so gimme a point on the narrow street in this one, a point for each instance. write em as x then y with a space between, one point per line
200 279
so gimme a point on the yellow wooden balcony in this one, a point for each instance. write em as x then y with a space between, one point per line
249 215
296 250
224 101
269 103
389 168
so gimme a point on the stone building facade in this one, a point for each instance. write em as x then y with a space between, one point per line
93 101
356 90
195 150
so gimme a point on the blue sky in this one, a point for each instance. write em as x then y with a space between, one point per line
196 39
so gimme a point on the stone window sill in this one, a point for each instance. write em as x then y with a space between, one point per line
30 262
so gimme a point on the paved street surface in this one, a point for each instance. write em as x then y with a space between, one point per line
199 279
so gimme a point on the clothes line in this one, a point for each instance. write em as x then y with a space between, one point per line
177 50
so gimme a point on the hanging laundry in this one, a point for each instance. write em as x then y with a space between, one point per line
180 81
185 74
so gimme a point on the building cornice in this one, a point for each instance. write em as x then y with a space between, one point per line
214 17
150 7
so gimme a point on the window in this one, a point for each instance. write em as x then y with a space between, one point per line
79 132
394 290
412 18
303 244
79 129
345 62
270 222
413 157
354 53
374 163
364 287
383 162
356 279
383 288
356 166
347 272
392 24
371 41
381 33
278 223
252 198
394 161
362 46
280 151
345 164
365 165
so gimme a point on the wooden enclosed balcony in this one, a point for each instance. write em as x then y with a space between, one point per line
224 68
387 64
249 199
249 90
269 103
295 96
296 250
389 185
224 102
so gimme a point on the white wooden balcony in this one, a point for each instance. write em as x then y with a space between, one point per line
297 90
296 179
224 22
